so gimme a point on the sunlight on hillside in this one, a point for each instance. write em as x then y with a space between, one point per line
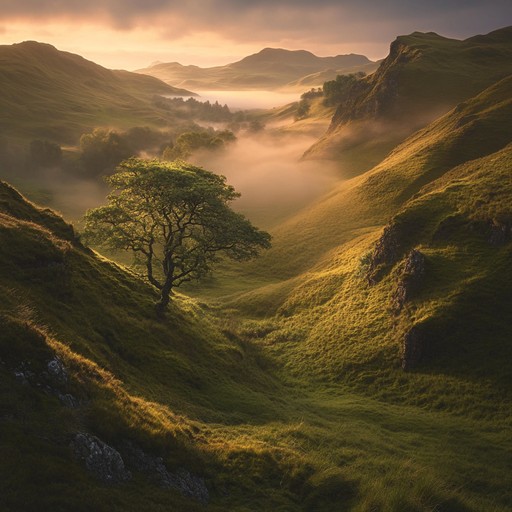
265 271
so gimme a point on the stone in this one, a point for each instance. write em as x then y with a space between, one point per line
410 280
190 485
57 371
153 467
387 251
100 459
24 375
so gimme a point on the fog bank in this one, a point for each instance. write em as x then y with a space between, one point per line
267 171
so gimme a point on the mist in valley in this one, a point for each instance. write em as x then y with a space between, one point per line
252 99
266 168
264 164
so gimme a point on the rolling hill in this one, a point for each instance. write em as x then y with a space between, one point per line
424 76
361 364
473 129
269 69
103 406
58 95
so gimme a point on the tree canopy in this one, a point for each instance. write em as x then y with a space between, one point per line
176 220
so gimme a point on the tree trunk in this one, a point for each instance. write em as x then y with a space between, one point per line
165 297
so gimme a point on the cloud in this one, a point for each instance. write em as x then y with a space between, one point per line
252 19
230 27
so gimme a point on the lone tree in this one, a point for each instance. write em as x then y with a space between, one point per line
176 220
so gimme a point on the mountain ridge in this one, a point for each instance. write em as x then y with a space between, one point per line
60 95
424 75
269 68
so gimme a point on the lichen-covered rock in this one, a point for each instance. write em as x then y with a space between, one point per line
190 485
186 483
413 348
410 280
100 459
57 371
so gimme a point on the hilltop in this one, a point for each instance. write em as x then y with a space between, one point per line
424 76
271 68
59 95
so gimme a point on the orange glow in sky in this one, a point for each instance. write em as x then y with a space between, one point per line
132 34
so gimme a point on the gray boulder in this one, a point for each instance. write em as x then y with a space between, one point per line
100 459
57 371
186 483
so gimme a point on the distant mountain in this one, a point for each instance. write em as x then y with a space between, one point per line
271 68
424 76
59 95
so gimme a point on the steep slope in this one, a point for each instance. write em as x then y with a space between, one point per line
59 95
476 127
86 367
430 294
102 407
269 69
399 291
400 282
424 76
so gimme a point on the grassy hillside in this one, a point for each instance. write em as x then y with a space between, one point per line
355 306
269 69
206 395
424 76
475 128
366 369
58 95
399 290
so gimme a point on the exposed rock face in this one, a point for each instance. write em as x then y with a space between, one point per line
412 276
186 483
52 380
387 251
57 371
413 348
190 485
100 459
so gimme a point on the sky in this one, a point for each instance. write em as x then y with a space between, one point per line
131 34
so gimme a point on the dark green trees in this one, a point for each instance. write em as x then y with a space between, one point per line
176 220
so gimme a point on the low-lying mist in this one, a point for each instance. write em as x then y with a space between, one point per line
250 99
266 169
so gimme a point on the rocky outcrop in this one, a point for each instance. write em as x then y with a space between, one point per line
51 380
103 461
186 483
410 279
387 251
413 347
57 371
